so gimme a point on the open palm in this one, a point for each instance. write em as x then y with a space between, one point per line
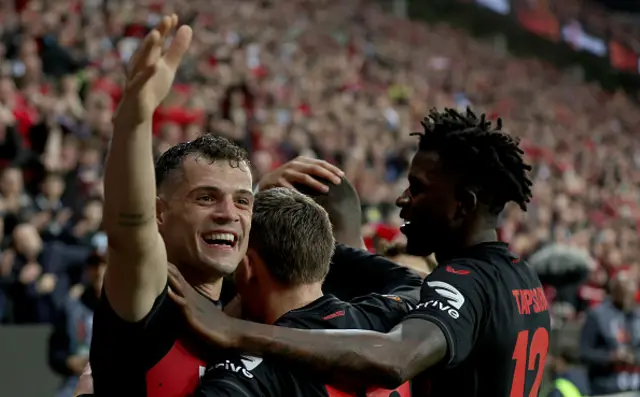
151 71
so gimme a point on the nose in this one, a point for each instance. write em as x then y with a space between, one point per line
403 200
225 211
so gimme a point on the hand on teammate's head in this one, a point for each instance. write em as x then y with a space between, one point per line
302 170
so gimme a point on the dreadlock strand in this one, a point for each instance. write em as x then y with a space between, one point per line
482 152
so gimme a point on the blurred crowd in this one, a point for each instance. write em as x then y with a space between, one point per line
594 16
339 80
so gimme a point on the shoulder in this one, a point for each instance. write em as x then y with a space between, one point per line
149 339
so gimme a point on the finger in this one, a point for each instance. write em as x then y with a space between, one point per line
182 302
318 170
167 23
173 270
293 177
179 45
163 29
324 164
141 54
282 182
140 79
176 286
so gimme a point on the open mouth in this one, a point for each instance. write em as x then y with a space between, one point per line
220 240
405 226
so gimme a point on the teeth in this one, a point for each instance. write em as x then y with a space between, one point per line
220 236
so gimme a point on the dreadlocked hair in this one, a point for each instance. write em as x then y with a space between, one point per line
490 161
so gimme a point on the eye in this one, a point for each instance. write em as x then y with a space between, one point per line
205 198
244 201
415 189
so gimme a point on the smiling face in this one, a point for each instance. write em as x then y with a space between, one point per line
429 206
204 215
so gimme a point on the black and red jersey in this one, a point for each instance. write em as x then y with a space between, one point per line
246 376
149 358
493 312
152 357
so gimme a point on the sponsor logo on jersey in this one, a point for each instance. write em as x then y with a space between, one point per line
249 363
453 299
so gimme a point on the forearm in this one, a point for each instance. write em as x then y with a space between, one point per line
129 186
137 261
353 356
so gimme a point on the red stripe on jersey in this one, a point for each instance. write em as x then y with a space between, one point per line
176 375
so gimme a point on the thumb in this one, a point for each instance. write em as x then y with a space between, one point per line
179 45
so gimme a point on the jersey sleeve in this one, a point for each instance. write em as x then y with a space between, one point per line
453 298
241 376
143 342
374 273
384 311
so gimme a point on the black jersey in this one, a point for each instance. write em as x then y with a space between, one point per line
149 358
245 376
492 310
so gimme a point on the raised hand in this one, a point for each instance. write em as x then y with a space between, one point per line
151 71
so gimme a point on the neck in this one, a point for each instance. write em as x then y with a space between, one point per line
207 286
479 237
281 300
211 290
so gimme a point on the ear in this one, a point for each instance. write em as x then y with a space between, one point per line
251 263
467 202
160 208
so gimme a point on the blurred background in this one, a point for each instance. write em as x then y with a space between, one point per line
345 81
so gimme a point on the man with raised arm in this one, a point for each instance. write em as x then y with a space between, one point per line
196 215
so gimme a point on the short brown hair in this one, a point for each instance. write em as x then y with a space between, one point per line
293 235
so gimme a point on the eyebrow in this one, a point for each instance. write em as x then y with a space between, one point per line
416 180
244 192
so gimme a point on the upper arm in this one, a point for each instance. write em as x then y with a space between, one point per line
419 345
457 304
135 278
143 343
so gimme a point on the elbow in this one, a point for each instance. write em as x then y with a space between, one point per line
390 372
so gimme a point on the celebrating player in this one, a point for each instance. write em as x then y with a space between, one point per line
197 215
482 326
280 282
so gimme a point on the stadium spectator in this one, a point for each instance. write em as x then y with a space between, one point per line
336 80
569 380
610 340
71 338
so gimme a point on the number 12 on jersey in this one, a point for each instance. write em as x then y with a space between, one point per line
529 356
